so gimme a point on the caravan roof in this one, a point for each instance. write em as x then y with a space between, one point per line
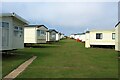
14 15
50 30
36 26
117 24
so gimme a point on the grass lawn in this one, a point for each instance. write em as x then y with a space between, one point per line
68 59
12 61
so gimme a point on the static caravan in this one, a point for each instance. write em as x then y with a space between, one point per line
117 39
100 38
82 37
72 36
51 35
35 34
62 36
12 29
58 35
77 36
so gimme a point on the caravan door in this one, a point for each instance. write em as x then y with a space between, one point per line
5 35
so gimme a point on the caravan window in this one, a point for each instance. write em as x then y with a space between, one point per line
42 32
16 28
20 28
18 31
113 35
21 31
99 36
38 32
5 24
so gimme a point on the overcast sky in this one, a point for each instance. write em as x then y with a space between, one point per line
67 17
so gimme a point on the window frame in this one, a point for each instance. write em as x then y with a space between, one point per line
18 31
100 36
2 25
113 36
41 33
38 32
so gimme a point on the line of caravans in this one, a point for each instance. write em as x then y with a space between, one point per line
79 36
15 31
100 37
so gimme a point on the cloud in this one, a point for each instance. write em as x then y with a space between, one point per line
70 16
65 14
59 0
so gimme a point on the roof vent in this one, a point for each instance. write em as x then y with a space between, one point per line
13 14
